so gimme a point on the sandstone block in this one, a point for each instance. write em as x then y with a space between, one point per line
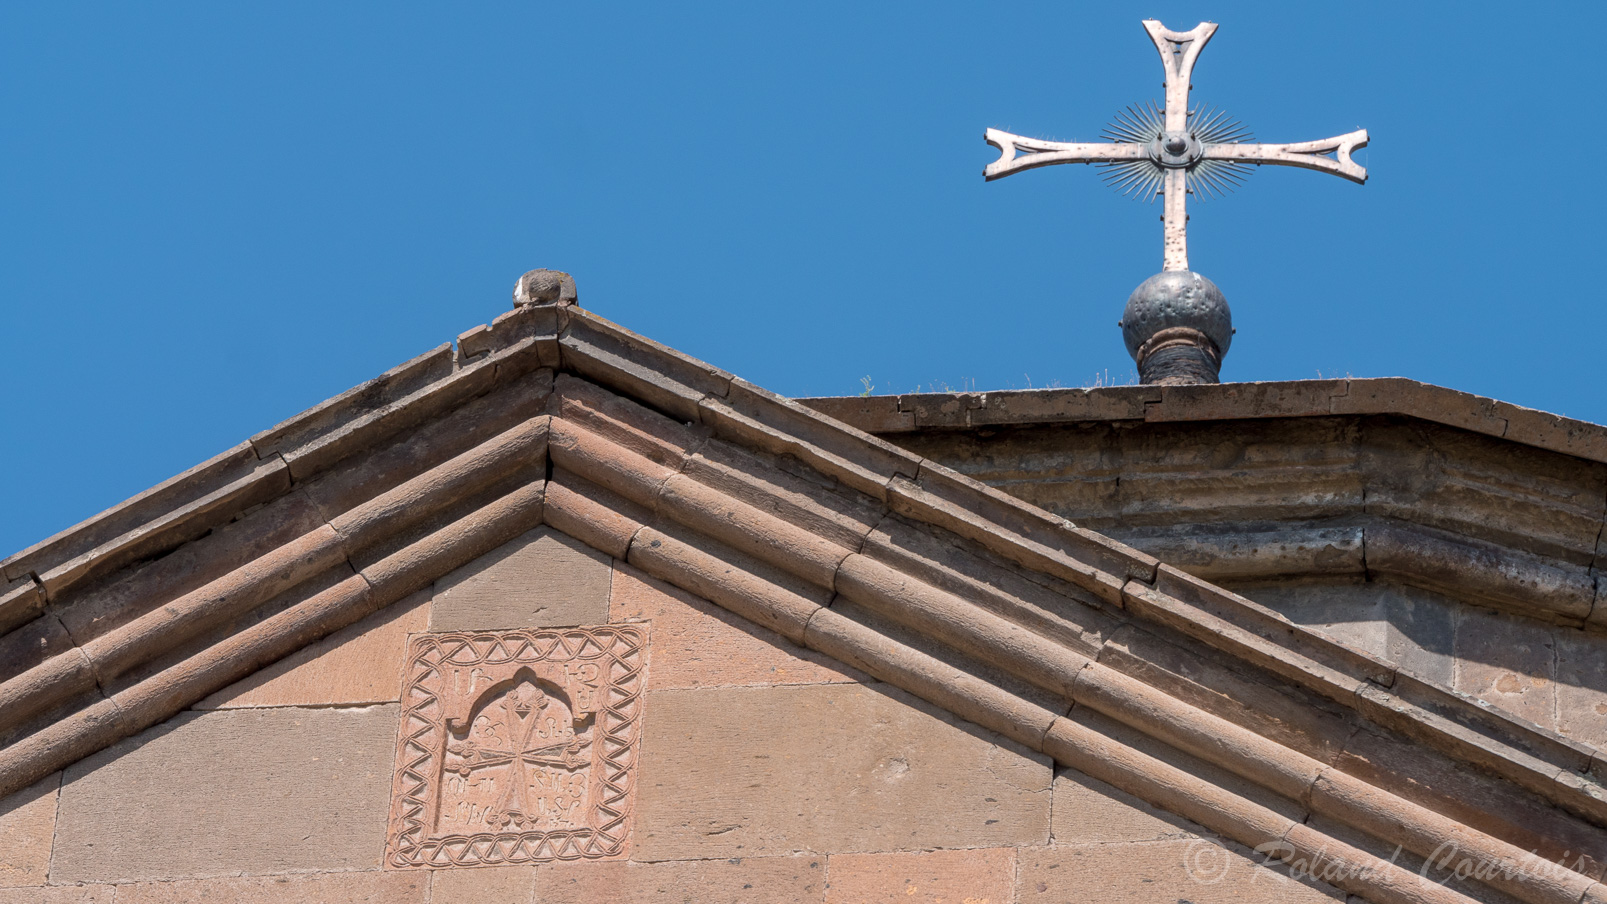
416 451
1221 686
872 414
739 880
753 590
737 772
386 389
985 876
1503 661
782 426
521 449
1089 811
638 367
1233 401
698 644
1480 801
592 411
540 579
243 791
27 826
1582 686
60 894
359 664
346 888
1197 871
481 526
797 493
1108 403
960 685
95 610
597 517
483 885
20 601
164 516
751 530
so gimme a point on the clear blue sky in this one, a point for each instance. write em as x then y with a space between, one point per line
217 215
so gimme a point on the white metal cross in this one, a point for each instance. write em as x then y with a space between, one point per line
1177 151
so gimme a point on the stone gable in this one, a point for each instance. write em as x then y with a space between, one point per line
766 772
716 642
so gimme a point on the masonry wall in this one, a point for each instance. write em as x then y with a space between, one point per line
767 773
1473 562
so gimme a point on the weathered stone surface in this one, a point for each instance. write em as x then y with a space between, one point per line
1505 663
783 487
741 880
753 771
1477 799
985 876
359 664
1582 686
542 578
346 888
20 601
413 452
699 644
1220 685
872 414
1481 571
27 827
1197 871
517 746
65 894
749 588
960 685
597 517
1089 811
1483 487
207 794
1355 619
490 885
1231 553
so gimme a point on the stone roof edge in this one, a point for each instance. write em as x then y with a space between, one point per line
372 574
570 338
1220 401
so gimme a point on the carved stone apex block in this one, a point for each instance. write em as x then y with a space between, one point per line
517 746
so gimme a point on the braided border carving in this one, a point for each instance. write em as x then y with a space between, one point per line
619 653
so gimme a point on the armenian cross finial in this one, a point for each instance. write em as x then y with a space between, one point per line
1175 151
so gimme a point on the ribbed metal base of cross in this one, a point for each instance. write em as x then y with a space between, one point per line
1177 327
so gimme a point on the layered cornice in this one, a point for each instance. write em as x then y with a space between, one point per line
1499 506
1048 633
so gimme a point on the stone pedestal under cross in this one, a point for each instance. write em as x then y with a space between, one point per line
1177 324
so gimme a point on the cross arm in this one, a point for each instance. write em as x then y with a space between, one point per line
1305 154
1035 153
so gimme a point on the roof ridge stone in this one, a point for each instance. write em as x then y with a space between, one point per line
1222 401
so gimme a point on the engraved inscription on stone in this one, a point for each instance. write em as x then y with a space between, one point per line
517 746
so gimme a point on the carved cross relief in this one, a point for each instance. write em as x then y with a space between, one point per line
517 746
1176 151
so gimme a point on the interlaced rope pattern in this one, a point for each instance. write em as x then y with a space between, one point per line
617 650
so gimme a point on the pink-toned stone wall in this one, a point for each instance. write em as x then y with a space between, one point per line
766 773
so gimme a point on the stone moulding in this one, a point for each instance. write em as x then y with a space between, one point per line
595 674
1228 401
1500 506
1050 634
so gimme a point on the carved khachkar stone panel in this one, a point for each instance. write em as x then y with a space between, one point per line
517 746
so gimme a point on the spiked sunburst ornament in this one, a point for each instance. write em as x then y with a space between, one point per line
1177 324
1146 125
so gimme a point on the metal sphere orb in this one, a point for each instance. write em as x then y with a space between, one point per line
1173 299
